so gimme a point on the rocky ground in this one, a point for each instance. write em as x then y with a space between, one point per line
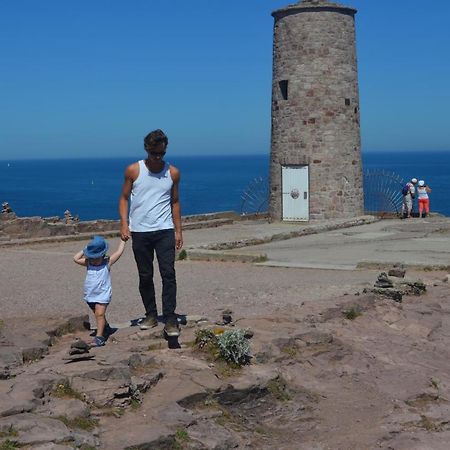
346 366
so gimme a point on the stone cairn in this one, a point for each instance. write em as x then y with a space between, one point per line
394 285
6 209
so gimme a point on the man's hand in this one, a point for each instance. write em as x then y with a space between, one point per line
178 240
124 232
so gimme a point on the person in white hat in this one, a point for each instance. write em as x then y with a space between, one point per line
408 192
424 200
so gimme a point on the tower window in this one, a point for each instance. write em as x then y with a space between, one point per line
284 88
347 102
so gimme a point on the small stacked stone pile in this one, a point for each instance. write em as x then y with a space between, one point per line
394 285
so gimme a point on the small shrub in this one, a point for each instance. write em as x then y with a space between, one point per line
229 345
182 255
234 347
351 314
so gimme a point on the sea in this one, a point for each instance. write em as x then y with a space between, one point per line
90 188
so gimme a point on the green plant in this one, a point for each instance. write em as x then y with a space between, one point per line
135 403
234 346
231 345
181 435
351 314
8 445
182 255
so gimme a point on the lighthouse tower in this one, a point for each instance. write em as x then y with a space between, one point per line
315 165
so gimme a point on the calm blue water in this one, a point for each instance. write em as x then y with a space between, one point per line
90 187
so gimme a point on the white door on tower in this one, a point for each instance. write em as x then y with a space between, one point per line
295 188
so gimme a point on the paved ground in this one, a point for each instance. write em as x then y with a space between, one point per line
42 280
412 242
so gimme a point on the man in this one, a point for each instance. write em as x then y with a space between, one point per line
154 226
409 192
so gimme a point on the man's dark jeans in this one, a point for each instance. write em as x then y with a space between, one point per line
144 245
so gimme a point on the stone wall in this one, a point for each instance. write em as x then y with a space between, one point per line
315 107
13 227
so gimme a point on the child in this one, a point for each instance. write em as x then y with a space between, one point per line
97 286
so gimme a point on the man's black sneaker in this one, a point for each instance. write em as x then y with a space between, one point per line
148 322
171 328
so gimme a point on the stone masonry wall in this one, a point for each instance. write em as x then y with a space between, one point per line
318 123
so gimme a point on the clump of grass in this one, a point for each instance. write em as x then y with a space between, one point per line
64 390
206 341
225 369
10 432
277 387
290 350
135 403
182 255
8 445
351 314
428 424
81 423
260 259
181 439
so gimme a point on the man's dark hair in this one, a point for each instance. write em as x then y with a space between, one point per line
154 139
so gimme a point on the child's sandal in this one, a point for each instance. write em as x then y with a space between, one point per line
99 341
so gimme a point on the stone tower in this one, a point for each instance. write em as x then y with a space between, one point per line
315 169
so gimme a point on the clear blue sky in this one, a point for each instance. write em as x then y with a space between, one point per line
92 77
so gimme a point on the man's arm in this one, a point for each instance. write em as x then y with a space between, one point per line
176 207
131 174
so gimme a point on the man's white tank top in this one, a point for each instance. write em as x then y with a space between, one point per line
150 208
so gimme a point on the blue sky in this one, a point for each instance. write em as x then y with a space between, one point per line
91 78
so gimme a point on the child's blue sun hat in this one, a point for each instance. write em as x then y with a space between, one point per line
96 248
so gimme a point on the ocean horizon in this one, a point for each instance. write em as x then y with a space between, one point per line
90 187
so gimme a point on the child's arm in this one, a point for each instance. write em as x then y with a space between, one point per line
80 259
117 254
